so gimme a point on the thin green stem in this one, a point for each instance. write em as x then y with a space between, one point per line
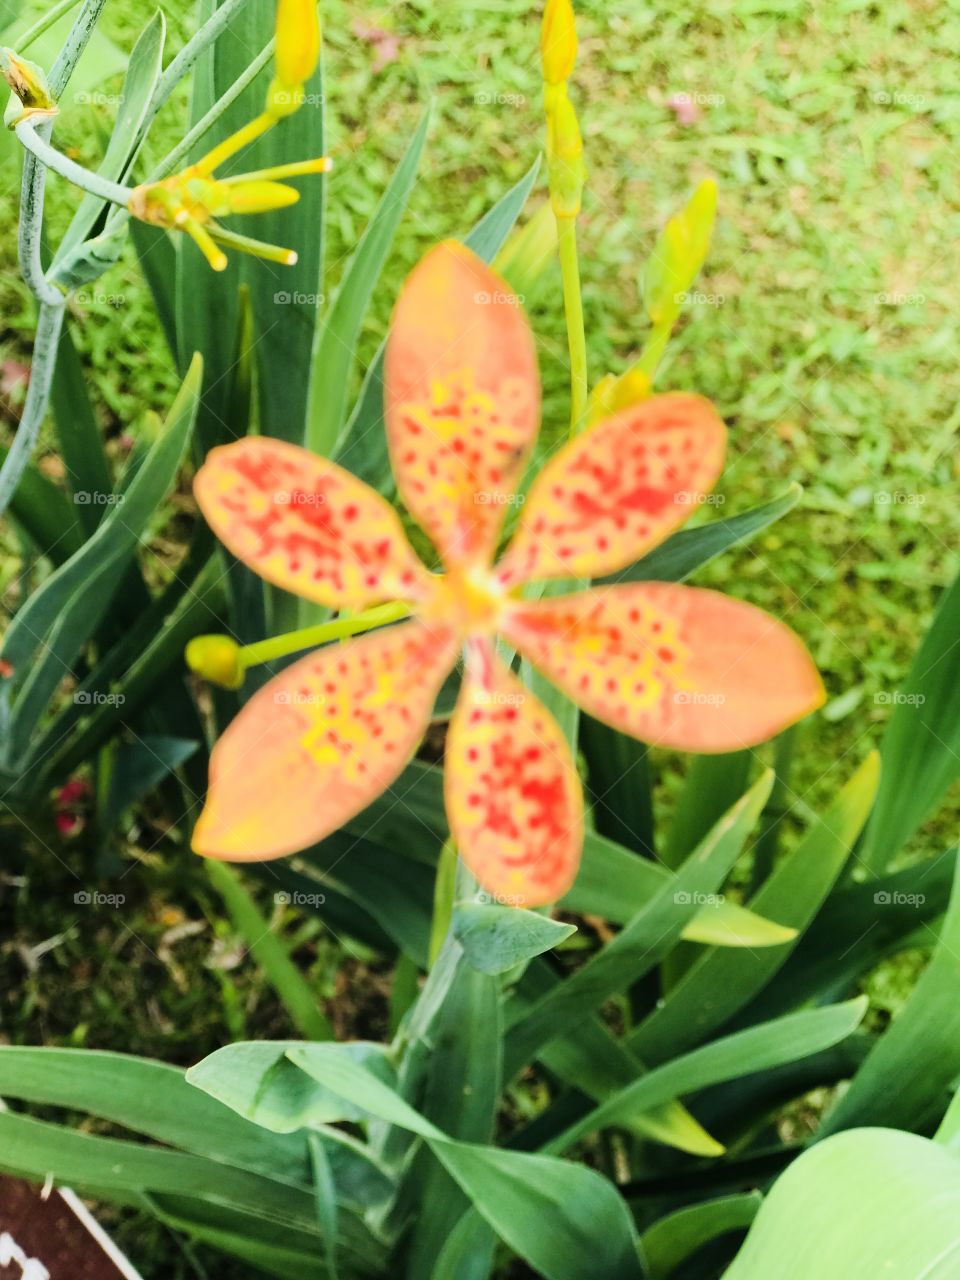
44 23
254 655
576 335
444 892
49 324
76 42
183 63
172 162
51 158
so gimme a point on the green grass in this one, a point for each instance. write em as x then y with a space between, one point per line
828 346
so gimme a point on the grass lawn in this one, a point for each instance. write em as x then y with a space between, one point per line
823 327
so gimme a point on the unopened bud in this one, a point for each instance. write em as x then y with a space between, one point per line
298 42
217 659
565 150
558 41
31 94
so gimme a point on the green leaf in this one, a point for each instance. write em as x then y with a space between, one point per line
645 940
260 1082
906 1079
685 552
798 1035
149 1098
296 994
620 785
724 923
861 1205
563 1219
45 515
143 72
674 1238
712 784
921 746
78 434
495 939
137 768
721 982
334 353
63 614
856 928
679 254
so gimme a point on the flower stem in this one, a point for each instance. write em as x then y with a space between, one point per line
573 309
51 158
44 361
44 23
254 655
444 892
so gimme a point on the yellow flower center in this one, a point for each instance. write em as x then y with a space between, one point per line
468 599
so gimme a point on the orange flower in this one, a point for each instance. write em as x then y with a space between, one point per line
673 665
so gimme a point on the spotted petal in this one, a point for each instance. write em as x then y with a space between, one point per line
614 492
673 665
513 796
462 400
308 526
322 740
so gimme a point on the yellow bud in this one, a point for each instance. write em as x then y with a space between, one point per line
298 41
558 41
217 659
612 394
257 196
565 153
31 94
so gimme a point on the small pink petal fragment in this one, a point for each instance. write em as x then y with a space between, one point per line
672 665
308 526
684 108
322 740
386 45
513 796
616 491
